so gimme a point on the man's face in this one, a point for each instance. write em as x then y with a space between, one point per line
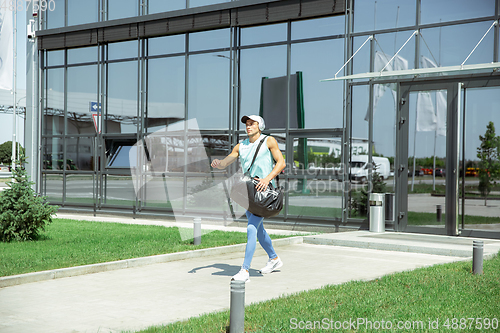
252 127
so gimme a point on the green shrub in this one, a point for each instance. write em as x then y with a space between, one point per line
22 212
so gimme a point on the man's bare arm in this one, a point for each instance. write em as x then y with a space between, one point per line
222 164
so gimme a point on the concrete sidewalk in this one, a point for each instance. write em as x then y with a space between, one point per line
138 297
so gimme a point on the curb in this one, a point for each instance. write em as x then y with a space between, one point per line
8 281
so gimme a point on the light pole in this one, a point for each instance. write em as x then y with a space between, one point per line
17 124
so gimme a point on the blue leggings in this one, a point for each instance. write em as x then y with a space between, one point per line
255 229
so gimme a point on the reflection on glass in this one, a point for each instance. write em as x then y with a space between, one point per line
122 8
119 190
55 18
166 45
375 15
81 12
53 188
123 50
264 34
121 153
79 189
55 58
86 54
388 45
121 114
165 92
256 64
53 154
322 101
321 27
437 11
80 153
53 122
82 91
361 62
457 42
209 90
207 193
198 3
208 40
159 6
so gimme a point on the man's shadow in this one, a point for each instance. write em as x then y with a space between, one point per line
226 270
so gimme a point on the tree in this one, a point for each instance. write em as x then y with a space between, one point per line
489 165
22 212
6 152
360 200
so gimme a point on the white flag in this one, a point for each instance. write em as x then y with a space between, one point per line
441 110
426 115
6 48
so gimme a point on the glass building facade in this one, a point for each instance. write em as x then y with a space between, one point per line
137 96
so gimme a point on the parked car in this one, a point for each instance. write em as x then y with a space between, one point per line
418 172
440 172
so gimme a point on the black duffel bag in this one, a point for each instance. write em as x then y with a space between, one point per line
266 203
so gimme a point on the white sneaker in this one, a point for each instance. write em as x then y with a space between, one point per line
272 265
242 275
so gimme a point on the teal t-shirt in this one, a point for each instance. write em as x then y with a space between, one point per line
264 163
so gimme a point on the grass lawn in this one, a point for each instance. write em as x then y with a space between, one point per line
68 243
413 299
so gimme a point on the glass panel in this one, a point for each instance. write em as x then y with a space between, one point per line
359 146
207 40
82 95
121 114
327 26
323 101
437 11
256 64
53 187
427 113
121 153
80 189
479 213
122 8
361 62
375 15
264 34
209 90
159 6
55 58
80 153
314 189
166 92
386 48
198 3
123 50
166 45
87 54
53 122
450 46
81 12
55 18
53 154
119 190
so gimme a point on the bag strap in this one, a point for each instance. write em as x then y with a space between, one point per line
256 152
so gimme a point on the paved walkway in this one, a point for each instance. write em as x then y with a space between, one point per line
154 294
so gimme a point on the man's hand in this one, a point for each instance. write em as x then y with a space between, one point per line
217 164
262 185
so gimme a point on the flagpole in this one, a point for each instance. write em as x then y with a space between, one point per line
437 122
414 150
14 87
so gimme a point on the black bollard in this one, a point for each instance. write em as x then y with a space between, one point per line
237 307
477 257
439 211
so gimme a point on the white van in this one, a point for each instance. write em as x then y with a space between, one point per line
359 167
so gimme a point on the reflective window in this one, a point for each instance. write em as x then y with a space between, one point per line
206 40
167 45
53 154
55 58
456 43
121 153
360 62
165 92
264 34
81 12
327 26
386 47
436 11
375 15
79 189
80 153
123 50
82 96
55 18
86 54
159 6
256 64
119 191
53 122
122 8
198 3
209 90
53 188
122 106
322 101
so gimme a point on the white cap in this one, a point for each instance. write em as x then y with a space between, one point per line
258 119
